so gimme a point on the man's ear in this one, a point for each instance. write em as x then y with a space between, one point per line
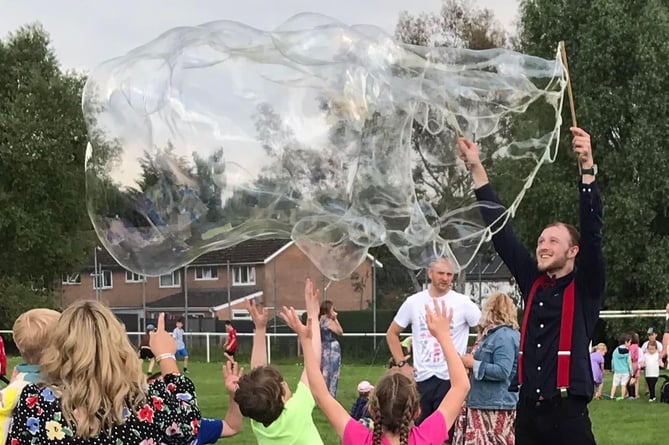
573 251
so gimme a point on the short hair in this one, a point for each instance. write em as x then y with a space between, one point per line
626 337
442 259
652 343
574 235
227 323
31 331
180 320
260 394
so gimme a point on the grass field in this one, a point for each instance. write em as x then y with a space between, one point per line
615 423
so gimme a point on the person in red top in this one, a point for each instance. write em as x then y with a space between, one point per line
3 362
230 346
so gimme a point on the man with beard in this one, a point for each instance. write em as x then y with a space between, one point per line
431 371
563 290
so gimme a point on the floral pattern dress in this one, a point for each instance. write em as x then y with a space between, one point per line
330 356
170 416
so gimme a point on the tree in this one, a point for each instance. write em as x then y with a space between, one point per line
439 183
44 226
617 56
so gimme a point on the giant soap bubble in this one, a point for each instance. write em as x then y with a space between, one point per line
335 136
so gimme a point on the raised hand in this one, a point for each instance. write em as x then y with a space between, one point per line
260 316
582 147
438 320
312 299
469 153
232 374
160 341
293 321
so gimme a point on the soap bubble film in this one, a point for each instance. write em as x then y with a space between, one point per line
335 136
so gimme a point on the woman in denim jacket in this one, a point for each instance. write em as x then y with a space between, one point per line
490 411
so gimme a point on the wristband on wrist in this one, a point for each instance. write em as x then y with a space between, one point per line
164 356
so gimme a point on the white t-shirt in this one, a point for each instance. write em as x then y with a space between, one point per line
652 364
428 358
644 347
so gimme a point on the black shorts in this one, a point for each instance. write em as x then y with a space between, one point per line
145 354
230 352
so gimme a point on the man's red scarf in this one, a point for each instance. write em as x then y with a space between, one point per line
566 329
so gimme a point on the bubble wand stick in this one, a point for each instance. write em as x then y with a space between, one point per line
570 93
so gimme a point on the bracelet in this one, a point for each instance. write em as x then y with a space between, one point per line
164 356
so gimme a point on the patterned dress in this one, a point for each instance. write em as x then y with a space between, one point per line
170 416
330 356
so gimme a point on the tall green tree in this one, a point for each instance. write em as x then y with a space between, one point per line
44 228
618 54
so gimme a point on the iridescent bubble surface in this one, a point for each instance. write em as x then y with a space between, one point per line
333 135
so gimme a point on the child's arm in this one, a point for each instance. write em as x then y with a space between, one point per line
312 302
259 351
439 324
333 410
232 424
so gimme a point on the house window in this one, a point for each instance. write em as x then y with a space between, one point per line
74 278
103 280
206 273
171 279
243 275
131 277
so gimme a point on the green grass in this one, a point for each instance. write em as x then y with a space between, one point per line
614 423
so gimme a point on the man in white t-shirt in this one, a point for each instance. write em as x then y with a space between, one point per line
431 371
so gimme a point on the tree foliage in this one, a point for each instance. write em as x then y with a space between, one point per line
44 228
617 56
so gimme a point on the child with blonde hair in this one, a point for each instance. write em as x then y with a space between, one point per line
31 331
597 363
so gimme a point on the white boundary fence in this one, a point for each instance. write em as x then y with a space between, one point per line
214 338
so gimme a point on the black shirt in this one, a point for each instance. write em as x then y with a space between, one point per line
543 328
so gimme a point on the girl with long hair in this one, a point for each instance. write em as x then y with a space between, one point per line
394 402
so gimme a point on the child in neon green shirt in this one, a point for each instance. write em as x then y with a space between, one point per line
278 416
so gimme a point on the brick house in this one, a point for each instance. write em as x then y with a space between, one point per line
216 285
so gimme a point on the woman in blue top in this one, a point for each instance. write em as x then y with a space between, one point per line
490 411
331 350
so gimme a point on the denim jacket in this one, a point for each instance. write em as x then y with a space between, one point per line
495 365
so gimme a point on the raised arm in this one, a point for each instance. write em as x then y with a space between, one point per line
312 301
439 323
515 255
232 424
333 410
590 257
259 351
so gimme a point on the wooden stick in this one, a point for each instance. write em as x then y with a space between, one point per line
572 107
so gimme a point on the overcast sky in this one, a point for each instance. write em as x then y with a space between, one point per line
85 33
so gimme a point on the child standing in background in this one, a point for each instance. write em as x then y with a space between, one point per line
597 363
621 364
178 335
652 360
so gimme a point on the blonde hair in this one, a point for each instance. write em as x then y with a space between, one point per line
92 366
499 309
601 347
31 331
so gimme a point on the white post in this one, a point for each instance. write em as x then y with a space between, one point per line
208 357
269 351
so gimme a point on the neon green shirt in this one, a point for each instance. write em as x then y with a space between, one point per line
295 426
